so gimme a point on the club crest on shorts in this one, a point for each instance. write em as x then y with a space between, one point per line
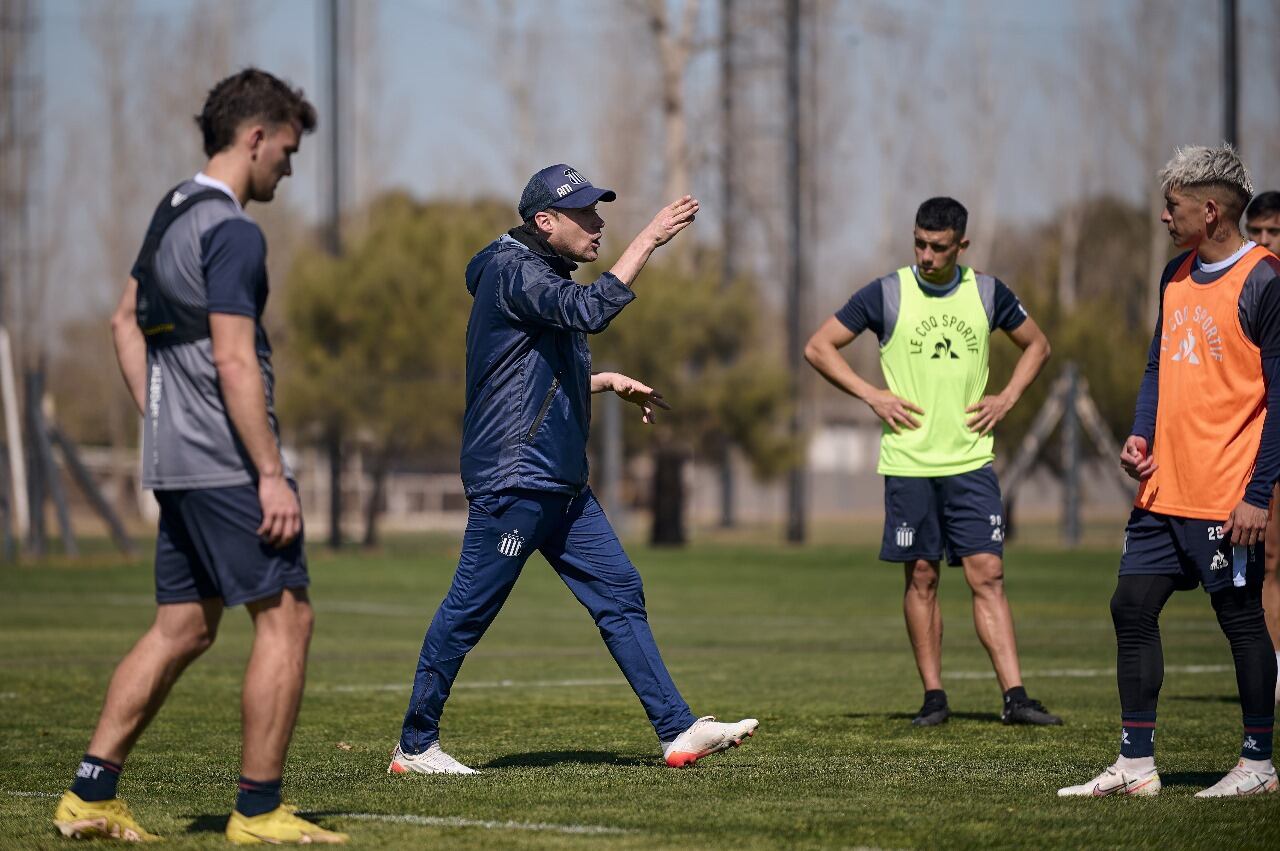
511 543
905 536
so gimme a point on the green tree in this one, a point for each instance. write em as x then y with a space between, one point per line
1108 332
706 350
374 340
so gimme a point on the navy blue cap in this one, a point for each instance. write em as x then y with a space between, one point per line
560 186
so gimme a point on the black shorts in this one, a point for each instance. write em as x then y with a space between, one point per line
1194 551
208 546
925 518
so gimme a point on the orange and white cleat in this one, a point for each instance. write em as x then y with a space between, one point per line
431 761
1115 781
705 737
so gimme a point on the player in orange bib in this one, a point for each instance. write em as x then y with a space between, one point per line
1206 456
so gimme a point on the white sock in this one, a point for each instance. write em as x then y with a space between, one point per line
1136 764
1262 766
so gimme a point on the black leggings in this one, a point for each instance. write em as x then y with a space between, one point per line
1135 611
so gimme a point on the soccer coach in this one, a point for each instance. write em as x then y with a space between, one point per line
524 461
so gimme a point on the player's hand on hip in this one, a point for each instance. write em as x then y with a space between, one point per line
672 219
987 411
1136 460
1247 524
281 512
895 411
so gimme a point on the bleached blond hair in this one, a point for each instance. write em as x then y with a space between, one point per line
1197 167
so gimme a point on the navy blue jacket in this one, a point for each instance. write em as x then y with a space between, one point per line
528 367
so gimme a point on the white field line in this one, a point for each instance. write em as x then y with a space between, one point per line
35 794
1054 673
453 821
485 684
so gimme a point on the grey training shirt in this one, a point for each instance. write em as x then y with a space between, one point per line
213 256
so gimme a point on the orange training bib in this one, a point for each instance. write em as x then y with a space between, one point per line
1212 398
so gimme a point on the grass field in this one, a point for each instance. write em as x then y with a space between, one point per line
809 641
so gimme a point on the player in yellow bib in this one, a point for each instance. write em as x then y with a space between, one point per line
934 321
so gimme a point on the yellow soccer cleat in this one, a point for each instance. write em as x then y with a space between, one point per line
279 827
111 819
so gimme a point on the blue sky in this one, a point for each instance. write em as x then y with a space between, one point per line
440 123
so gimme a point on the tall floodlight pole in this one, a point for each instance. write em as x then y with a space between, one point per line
796 485
1230 74
21 116
333 239
727 266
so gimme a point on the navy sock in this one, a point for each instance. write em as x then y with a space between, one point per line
1137 734
257 797
1017 694
1257 736
935 697
96 779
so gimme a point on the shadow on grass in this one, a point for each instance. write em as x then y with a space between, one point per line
208 824
543 759
1192 779
907 716
218 823
1204 698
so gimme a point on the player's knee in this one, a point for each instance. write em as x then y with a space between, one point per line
304 621
986 578
188 640
1239 612
1126 610
922 578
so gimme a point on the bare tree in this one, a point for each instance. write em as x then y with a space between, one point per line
676 47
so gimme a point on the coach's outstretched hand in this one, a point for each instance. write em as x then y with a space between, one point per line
632 391
1135 460
672 219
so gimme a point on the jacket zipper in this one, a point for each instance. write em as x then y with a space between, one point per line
542 412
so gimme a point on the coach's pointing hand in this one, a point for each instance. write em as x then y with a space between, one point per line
632 391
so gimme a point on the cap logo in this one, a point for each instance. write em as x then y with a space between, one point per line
563 190
573 176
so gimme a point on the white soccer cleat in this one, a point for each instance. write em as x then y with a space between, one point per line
1116 781
431 761
705 737
1242 780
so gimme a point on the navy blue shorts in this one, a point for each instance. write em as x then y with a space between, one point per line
208 546
1194 551
957 515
